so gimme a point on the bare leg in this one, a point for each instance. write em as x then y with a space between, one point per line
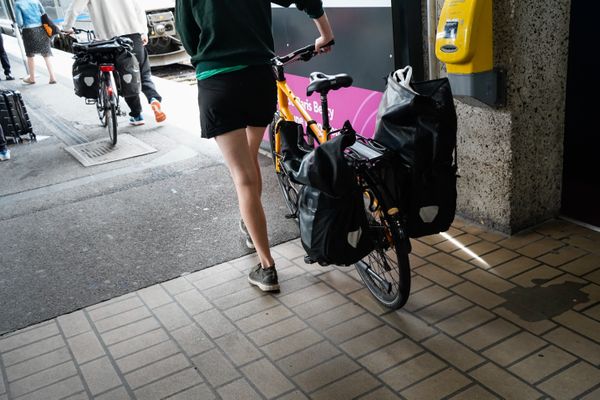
50 69
31 68
242 166
255 135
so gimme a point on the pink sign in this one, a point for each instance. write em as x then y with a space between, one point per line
359 106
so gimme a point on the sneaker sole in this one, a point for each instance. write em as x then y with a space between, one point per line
137 123
264 287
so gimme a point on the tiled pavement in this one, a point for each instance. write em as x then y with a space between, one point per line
489 317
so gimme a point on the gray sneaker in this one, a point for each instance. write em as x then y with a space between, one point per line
247 237
264 278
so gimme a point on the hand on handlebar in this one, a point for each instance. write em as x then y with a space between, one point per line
323 44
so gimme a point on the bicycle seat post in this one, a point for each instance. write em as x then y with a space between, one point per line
325 112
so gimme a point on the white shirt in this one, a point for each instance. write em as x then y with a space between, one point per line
110 17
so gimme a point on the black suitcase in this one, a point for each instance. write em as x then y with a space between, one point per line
14 117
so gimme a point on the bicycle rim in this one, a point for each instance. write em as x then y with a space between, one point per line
386 270
289 189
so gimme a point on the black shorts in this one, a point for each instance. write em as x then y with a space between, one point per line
235 100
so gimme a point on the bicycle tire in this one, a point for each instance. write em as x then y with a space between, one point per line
289 189
389 260
111 122
100 105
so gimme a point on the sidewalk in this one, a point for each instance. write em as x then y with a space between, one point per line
489 317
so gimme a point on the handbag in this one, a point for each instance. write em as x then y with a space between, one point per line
49 26
417 121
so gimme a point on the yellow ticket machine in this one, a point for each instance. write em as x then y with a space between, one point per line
464 42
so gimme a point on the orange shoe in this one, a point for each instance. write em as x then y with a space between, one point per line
158 114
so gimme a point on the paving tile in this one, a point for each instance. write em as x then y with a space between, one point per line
478 295
130 331
147 356
125 318
520 240
432 239
200 392
119 393
239 349
238 390
352 328
426 297
277 331
415 261
43 378
291 344
320 305
226 288
335 316
412 371
78 396
349 387
176 286
252 307
438 386
494 258
593 293
2 387
193 302
530 278
100 375
323 374
450 263
410 325
267 379
421 249
170 385
438 275
138 343
488 281
580 324
592 395
541 364
370 341
465 320
56 391
583 265
291 250
514 348
503 383
263 318
488 334
156 371
34 365
172 316
307 358
390 355
368 302
583 242
295 395
32 350
475 251
85 347
593 276
514 267
118 299
576 344
418 283
74 323
453 352
444 309
114 308
155 296
214 323
572 382
28 337
537 327
310 292
491 236
593 312
341 281
240 297
561 256
192 340
214 278
215 367
540 247
475 392
380 394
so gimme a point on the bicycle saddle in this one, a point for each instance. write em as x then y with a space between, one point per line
321 83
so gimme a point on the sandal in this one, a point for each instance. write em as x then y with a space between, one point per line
52 82
28 81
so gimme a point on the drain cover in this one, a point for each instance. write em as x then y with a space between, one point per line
102 152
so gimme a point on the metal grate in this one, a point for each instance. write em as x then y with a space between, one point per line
102 152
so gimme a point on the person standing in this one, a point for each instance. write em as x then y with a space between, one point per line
4 151
125 18
35 39
4 60
231 44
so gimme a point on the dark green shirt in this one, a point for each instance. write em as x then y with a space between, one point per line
227 33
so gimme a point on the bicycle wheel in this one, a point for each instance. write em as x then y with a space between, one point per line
289 189
110 110
386 270
100 105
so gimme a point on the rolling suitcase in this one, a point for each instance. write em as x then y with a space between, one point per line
14 117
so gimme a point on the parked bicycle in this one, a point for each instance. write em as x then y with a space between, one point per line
386 269
96 77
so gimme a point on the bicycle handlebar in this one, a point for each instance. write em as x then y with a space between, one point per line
304 54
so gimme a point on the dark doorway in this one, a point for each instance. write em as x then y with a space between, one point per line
581 173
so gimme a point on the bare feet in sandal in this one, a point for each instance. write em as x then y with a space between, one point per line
52 81
28 81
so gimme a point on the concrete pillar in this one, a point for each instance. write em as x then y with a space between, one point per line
511 158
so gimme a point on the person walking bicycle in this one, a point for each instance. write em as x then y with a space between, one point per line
126 19
231 45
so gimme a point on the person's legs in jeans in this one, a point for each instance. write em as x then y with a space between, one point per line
4 152
4 59
136 110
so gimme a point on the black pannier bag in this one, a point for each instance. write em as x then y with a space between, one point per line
418 122
14 117
331 213
128 68
85 77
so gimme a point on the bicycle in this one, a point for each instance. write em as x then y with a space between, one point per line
386 270
102 53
